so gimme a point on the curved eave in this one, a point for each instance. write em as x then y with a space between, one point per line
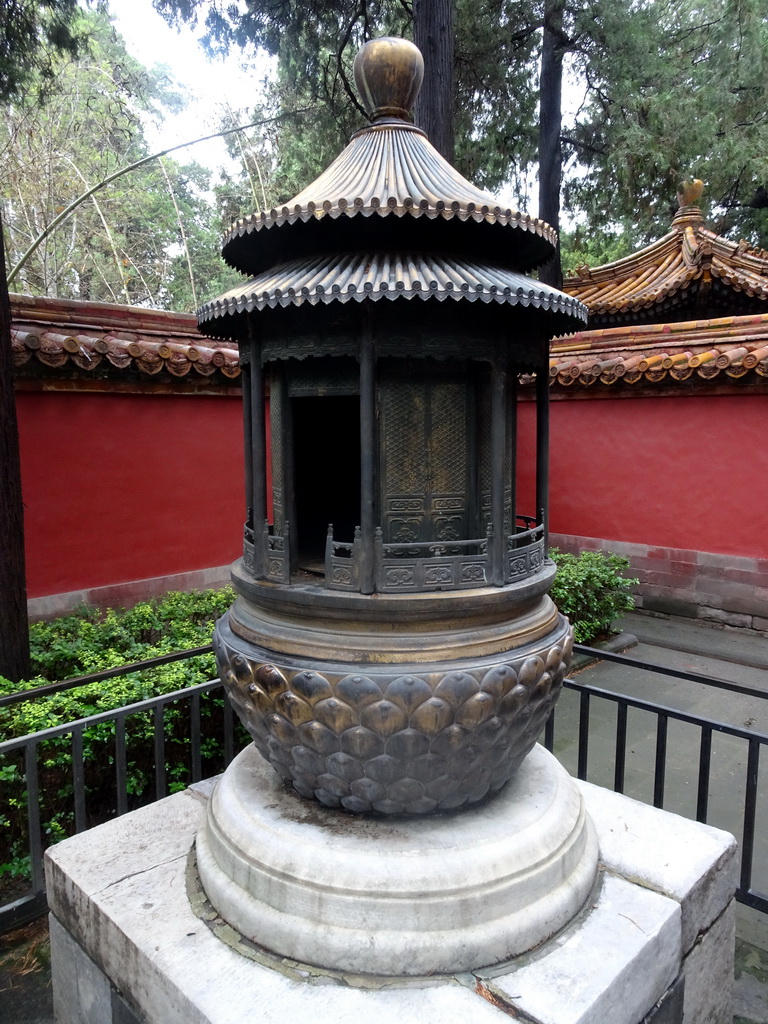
387 171
685 255
374 276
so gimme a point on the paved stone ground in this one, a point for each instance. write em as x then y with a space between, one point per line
25 976
750 997
25 992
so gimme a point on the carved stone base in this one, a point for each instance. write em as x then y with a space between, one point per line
397 897
395 738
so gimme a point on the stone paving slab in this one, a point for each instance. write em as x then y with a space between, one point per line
739 646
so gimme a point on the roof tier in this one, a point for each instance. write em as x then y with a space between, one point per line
388 177
390 217
371 275
689 272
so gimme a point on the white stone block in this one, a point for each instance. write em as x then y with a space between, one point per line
120 891
81 992
612 966
694 864
139 927
708 973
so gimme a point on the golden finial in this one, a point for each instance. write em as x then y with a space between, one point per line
388 75
690 192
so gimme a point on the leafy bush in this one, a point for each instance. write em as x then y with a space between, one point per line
89 642
592 590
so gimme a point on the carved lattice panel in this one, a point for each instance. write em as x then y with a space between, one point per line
425 458
484 462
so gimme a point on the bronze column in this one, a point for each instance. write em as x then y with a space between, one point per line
258 453
367 453
542 450
499 428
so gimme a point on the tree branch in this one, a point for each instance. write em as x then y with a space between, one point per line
69 210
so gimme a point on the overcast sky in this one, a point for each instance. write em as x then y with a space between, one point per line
208 84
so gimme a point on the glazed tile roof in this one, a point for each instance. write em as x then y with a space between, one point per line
720 350
105 340
691 271
373 276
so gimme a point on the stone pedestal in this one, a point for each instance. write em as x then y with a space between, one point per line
431 895
134 938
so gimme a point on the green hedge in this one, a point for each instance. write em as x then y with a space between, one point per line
87 642
592 590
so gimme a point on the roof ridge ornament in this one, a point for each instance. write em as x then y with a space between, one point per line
689 211
388 74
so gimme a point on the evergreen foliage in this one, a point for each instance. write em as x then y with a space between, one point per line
151 237
88 642
683 94
592 590
671 89
32 32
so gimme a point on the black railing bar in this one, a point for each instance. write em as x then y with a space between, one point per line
752 898
549 731
107 716
620 760
705 767
750 810
675 673
161 787
657 709
196 765
33 817
660 765
97 677
78 778
229 732
121 765
22 911
583 753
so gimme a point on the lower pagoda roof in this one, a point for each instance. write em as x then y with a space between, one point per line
345 276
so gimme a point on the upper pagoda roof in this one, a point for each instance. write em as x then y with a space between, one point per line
691 272
388 177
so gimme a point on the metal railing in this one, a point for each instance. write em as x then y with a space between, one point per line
26 765
568 731
739 817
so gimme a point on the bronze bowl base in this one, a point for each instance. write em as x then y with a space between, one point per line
395 738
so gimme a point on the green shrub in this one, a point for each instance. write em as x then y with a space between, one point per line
90 641
592 590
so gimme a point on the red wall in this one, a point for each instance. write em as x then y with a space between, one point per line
684 472
122 487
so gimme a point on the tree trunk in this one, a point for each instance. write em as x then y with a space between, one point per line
550 121
14 625
433 34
